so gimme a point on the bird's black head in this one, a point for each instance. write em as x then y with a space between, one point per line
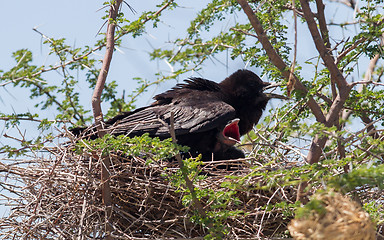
244 91
244 85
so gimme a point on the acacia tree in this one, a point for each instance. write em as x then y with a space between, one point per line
334 117
328 105
324 96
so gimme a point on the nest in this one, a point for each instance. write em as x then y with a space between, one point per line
58 195
342 219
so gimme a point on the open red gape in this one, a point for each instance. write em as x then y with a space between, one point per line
231 130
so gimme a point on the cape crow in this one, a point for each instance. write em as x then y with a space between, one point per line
209 117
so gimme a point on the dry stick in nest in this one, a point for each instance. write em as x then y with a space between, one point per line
197 204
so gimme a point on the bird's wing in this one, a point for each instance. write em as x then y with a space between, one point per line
138 122
200 116
190 116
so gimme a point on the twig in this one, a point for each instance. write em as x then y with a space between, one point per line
188 182
291 79
294 8
262 218
346 51
244 32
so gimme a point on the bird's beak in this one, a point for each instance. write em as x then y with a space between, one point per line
274 95
271 85
265 85
230 134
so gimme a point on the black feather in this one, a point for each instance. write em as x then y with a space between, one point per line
202 108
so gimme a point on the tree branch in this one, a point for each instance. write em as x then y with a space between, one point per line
277 60
291 80
110 44
318 143
98 116
325 35
346 51
328 59
367 80
344 88
322 23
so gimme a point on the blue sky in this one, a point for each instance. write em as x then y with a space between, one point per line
79 22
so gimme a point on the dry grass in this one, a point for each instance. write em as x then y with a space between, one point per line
342 219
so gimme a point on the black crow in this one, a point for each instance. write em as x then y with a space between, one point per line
209 117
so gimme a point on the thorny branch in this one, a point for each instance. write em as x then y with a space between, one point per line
76 115
75 58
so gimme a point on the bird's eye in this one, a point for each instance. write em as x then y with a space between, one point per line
252 84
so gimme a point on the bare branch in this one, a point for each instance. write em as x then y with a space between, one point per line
366 83
96 107
110 44
325 35
321 48
291 80
336 76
